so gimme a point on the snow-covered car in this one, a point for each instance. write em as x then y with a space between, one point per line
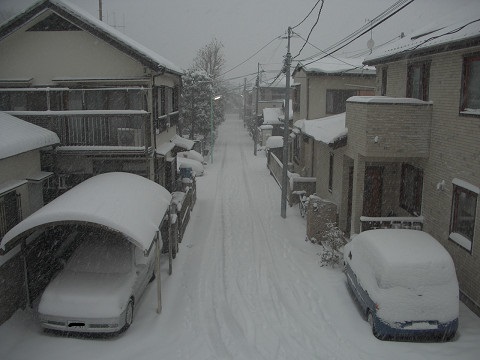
405 283
196 166
98 287
192 154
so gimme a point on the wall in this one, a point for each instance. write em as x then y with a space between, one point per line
53 54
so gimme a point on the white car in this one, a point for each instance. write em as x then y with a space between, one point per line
196 166
98 287
405 283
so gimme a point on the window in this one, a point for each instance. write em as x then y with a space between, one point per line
383 91
10 211
470 88
296 149
296 99
462 223
418 80
336 100
330 174
411 189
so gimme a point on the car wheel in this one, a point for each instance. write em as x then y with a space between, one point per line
128 315
371 322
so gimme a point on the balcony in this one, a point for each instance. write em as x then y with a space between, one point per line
117 128
380 126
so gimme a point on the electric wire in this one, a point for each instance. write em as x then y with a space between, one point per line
301 22
385 15
243 62
329 50
311 30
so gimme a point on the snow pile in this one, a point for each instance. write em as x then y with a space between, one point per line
192 154
274 142
182 142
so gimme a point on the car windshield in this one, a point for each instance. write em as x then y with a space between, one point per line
108 255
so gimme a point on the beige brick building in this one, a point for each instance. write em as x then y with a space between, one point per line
412 155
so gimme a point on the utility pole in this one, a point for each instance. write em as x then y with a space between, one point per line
255 125
288 60
244 101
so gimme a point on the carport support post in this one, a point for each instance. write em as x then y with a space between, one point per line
157 273
25 271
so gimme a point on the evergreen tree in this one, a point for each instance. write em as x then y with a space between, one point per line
196 96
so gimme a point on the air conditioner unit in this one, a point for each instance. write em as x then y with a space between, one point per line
129 137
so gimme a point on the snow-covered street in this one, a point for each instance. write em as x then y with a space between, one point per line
245 285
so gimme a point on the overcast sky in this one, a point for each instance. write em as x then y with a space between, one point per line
176 29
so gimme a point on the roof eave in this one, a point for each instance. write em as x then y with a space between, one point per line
16 22
457 45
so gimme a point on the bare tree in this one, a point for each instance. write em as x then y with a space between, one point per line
210 59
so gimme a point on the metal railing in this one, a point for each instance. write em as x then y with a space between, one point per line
391 222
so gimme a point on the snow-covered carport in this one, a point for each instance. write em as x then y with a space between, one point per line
126 204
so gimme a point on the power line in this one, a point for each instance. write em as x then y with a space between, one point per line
357 36
306 41
301 22
243 62
311 30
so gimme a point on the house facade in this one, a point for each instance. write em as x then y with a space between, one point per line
23 186
320 90
110 100
411 158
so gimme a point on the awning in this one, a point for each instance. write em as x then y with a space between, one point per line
121 202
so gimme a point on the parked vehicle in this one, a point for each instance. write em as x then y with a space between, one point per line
405 283
196 166
98 287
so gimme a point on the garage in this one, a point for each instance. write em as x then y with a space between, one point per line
123 205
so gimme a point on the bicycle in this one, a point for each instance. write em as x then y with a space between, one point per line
302 201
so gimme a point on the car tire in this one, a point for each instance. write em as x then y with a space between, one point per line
128 315
371 322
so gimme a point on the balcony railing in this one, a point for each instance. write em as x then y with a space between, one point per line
94 128
391 222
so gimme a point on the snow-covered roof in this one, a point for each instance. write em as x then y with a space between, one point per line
89 23
337 66
182 142
123 202
327 129
448 32
18 136
271 115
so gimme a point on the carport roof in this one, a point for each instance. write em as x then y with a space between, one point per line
122 202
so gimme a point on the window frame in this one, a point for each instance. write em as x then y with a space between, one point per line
383 89
467 60
424 68
413 206
338 98
454 216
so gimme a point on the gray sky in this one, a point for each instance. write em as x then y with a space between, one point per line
176 29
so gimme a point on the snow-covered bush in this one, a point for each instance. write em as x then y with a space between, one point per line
332 243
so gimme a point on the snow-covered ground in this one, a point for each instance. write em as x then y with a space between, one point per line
245 285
